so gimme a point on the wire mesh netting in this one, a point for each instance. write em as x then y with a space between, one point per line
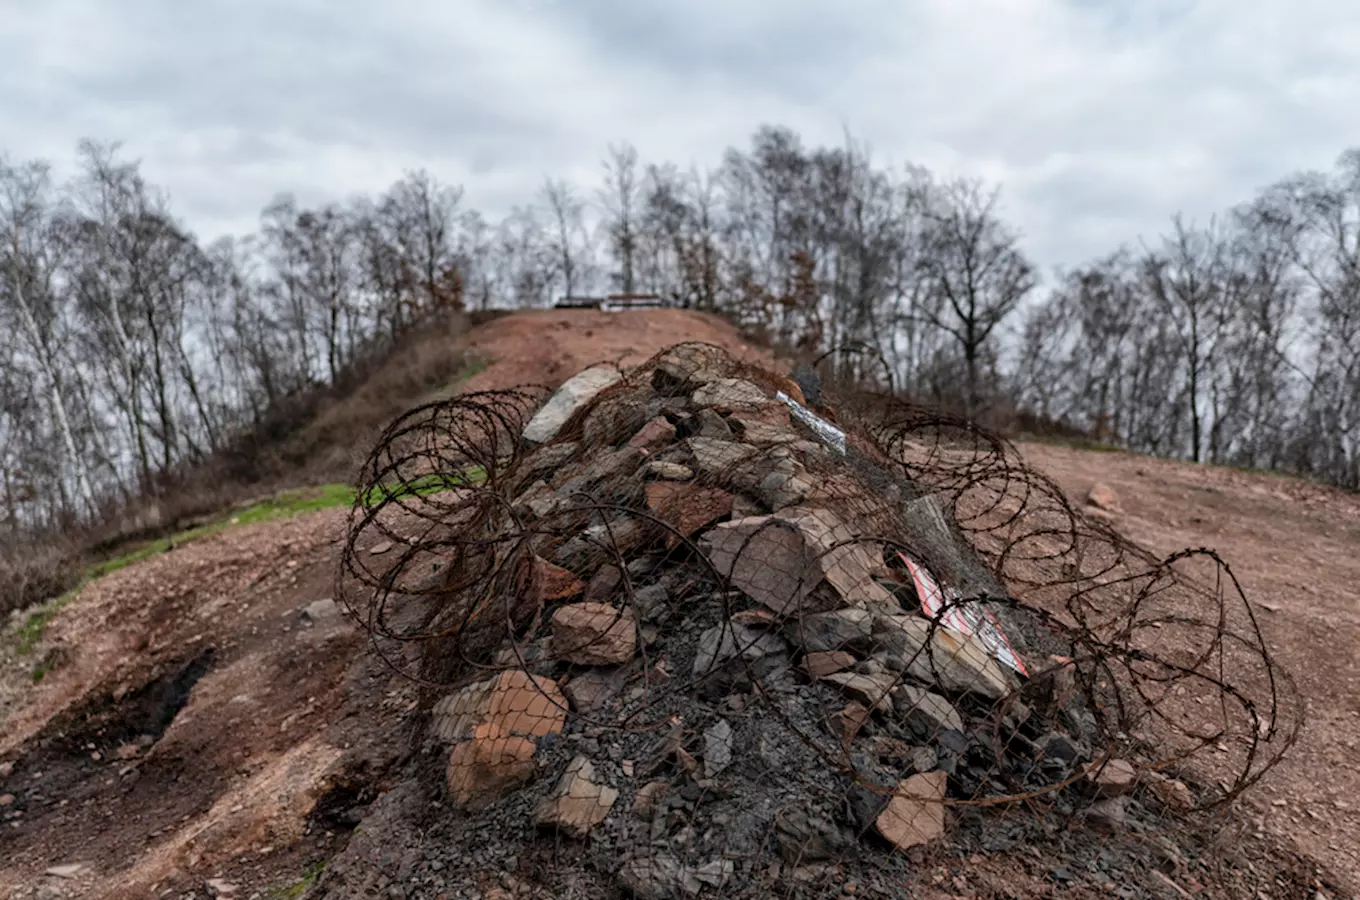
717 636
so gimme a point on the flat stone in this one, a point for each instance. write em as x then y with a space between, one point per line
1102 496
549 583
667 471
707 423
716 457
723 642
1169 792
787 484
837 629
821 664
756 618
519 703
575 393
1112 778
955 662
847 723
682 368
806 837
594 634
655 433
70 870
874 691
1107 815
592 689
320 612
380 548
647 798
915 814
925 712
603 584
781 559
219 887
717 747
686 507
488 765
727 394
578 803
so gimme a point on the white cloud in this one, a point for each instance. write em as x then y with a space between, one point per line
1100 119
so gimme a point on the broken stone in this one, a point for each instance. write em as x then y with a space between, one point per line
924 712
320 612
380 548
727 394
723 642
655 433
781 559
519 703
787 484
488 765
1169 792
717 748
835 630
549 583
756 618
956 662
915 814
1107 815
70 870
707 424
686 507
684 367
575 393
594 634
548 459
821 664
7 799
1113 778
923 759
1102 496
592 689
578 803
804 837
603 584
847 723
218 887
648 796
667 471
874 691
716 457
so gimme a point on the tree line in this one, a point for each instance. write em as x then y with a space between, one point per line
133 349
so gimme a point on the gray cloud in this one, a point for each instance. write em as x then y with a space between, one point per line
1100 119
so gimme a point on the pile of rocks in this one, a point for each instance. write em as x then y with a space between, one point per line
698 654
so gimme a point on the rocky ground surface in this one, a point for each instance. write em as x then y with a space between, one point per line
211 726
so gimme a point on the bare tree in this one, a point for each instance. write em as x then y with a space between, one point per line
621 198
975 272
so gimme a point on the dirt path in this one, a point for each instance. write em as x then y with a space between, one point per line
1295 547
196 719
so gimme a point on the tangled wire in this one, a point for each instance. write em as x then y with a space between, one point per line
682 553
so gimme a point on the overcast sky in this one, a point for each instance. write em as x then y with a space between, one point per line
1100 118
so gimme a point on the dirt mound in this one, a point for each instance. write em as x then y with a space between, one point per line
682 634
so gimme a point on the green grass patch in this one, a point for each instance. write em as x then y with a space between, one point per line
296 889
425 485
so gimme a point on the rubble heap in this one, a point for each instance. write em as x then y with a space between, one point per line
694 636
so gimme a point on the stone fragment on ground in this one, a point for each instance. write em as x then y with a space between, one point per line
686 507
915 814
487 765
578 803
575 393
594 634
1112 778
1102 496
519 703
781 559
